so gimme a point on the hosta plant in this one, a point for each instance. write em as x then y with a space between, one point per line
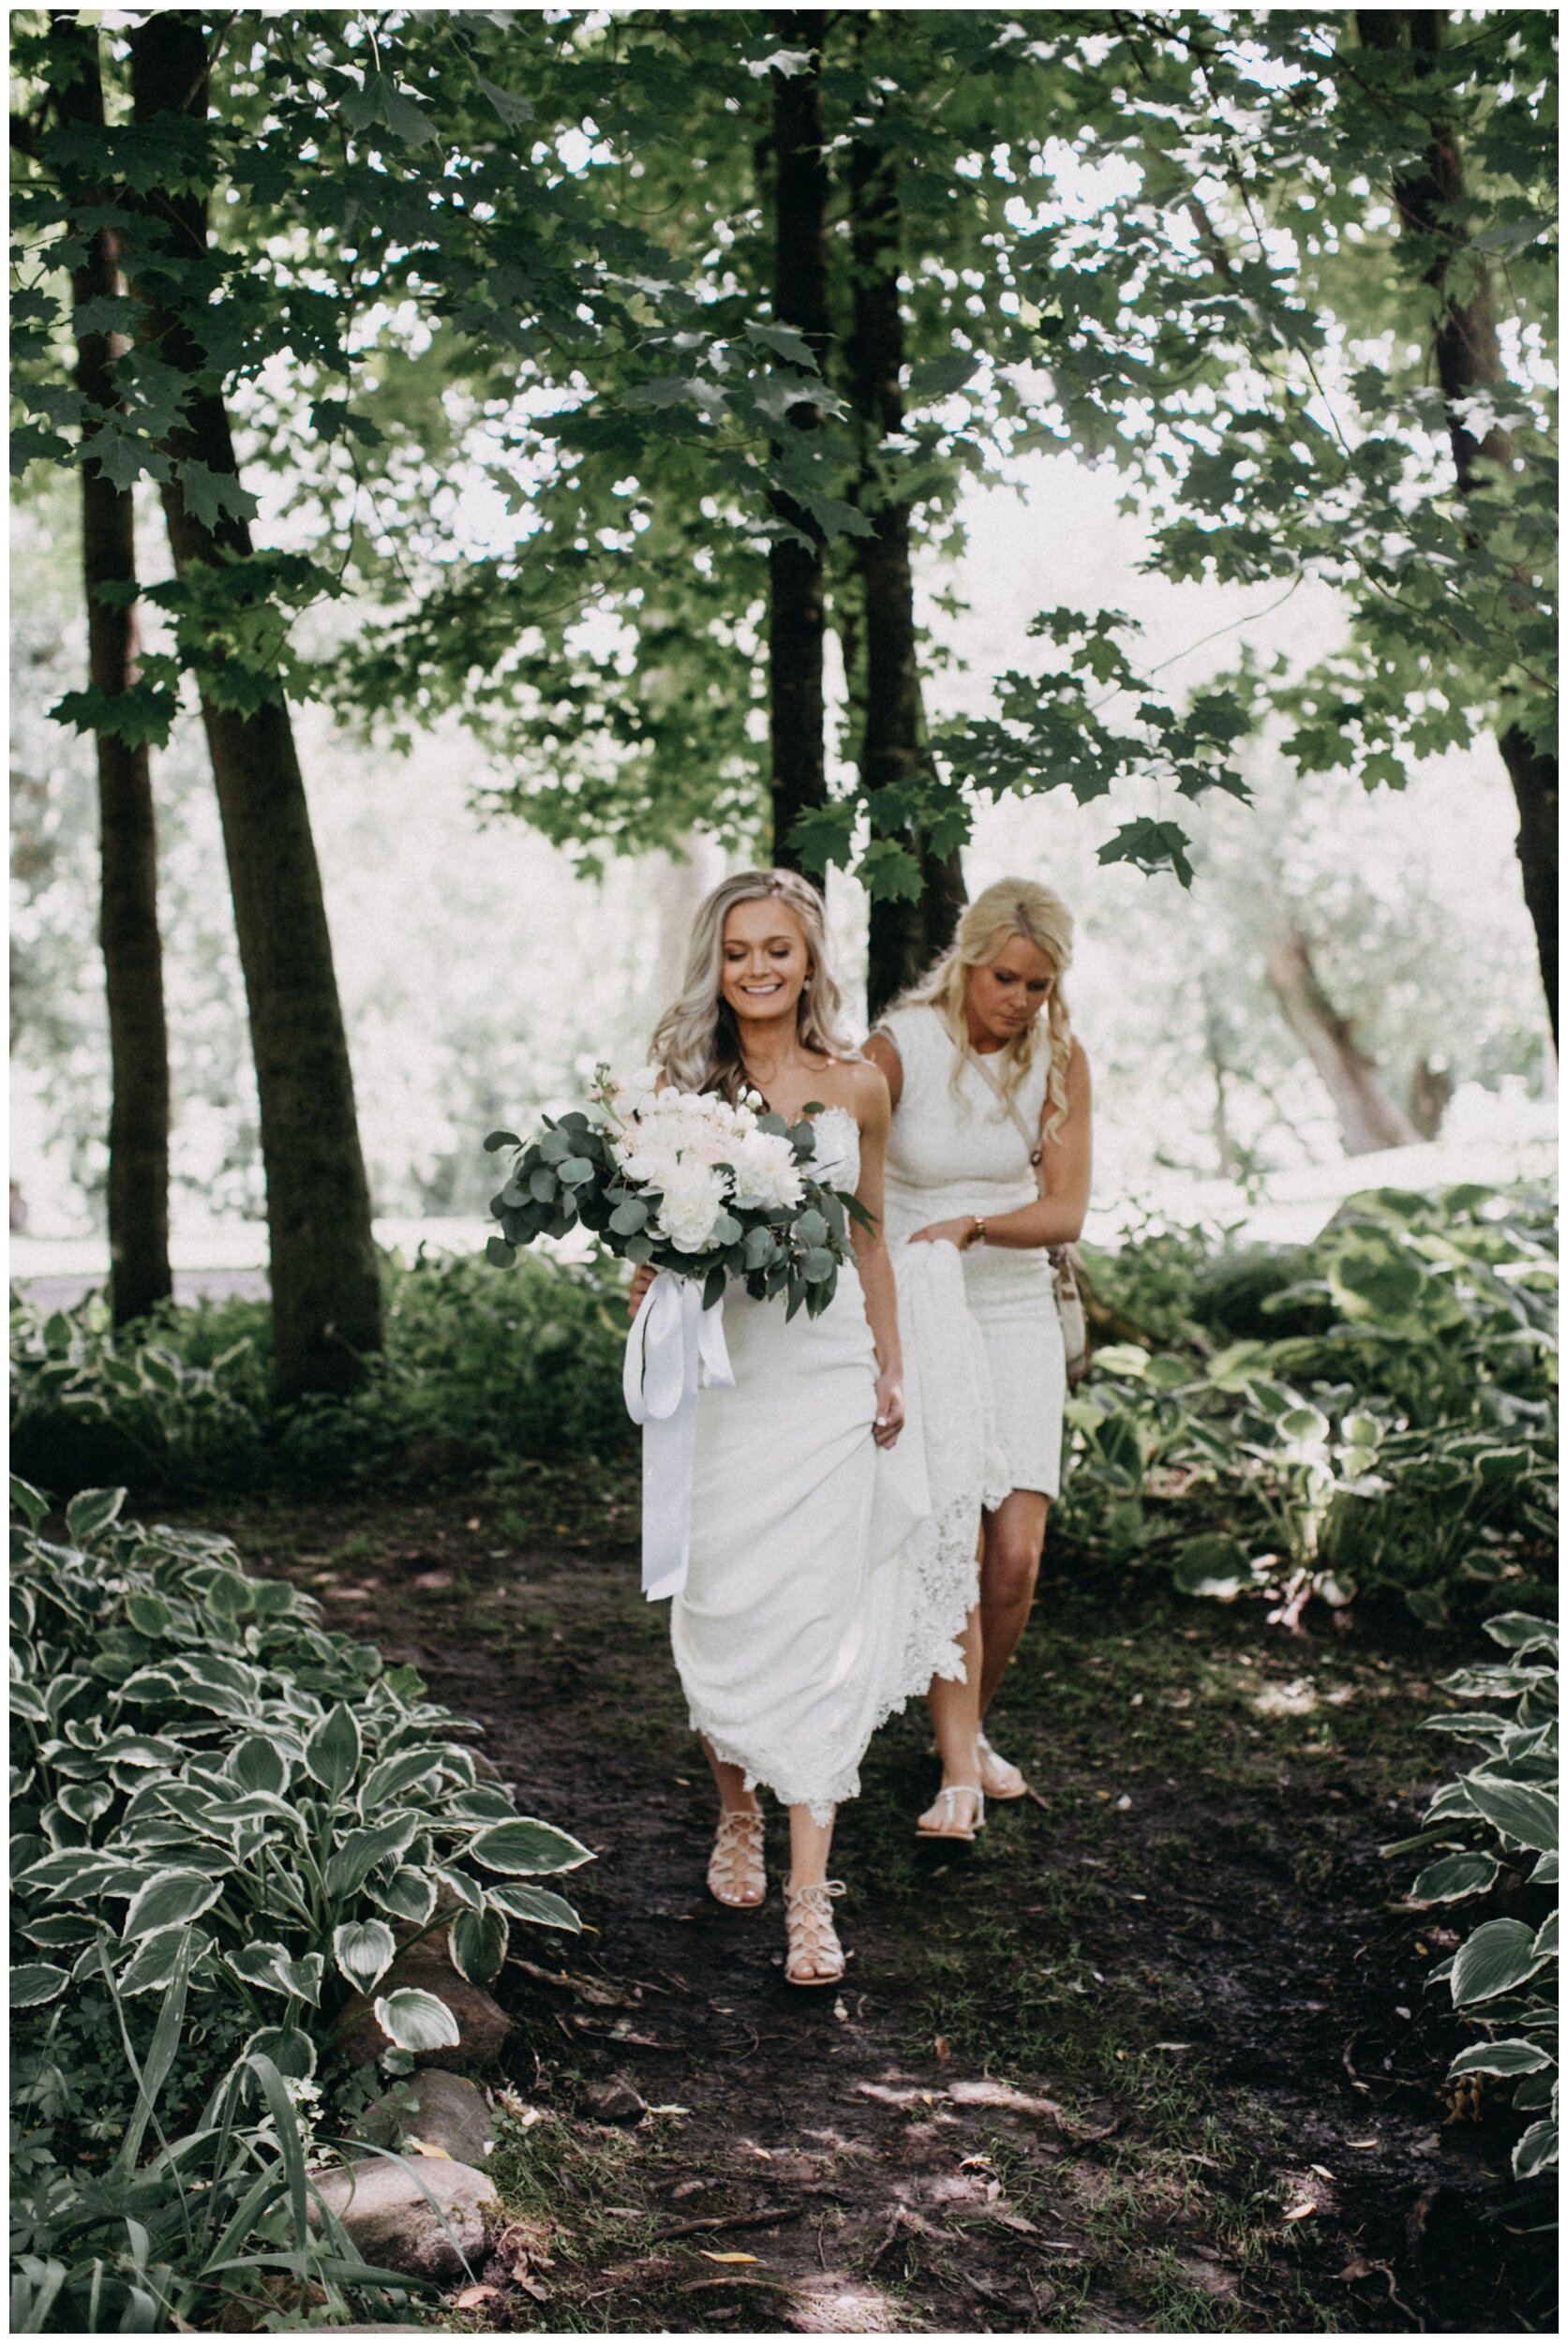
204 1773
1395 1436
1496 1828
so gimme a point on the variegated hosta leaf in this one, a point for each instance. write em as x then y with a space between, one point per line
259 1764
169 1898
527 1846
363 1951
416 2020
1500 2058
151 1967
477 1942
537 1904
407 1895
34 1983
332 1753
467 1892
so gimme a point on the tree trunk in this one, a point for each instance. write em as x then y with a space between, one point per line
1431 1088
325 1286
796 572
1368 1118
1468 359
906 933
138 1273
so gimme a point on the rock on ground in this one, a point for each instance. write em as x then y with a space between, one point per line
437 2109
613 2102
388 2214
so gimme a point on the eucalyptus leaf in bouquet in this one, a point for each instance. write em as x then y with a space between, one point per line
685 1181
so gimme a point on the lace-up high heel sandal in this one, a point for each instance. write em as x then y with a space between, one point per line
999 1779
951 1825
816 1956
737 1874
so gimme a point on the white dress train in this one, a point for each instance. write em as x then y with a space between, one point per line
829 1579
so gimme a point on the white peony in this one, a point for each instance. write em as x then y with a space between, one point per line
766 1173
694 1198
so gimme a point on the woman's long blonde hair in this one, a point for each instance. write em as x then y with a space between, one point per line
1013 906
696 1042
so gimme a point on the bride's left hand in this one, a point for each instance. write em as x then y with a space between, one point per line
957 1232
889 1409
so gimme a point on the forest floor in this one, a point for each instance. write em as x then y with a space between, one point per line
1153 2056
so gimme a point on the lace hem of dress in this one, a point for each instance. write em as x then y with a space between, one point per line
944 1590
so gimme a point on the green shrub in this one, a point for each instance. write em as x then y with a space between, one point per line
1495 1828
479 1372
226 1820
1399 1439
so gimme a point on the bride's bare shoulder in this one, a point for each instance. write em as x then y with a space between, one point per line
867 1093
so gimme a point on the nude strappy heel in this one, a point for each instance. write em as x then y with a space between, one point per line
1000 1780
949 1826
737 1874
816 1955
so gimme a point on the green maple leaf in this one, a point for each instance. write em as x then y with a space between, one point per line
210 494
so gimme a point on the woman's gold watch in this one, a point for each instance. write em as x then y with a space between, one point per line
978 1237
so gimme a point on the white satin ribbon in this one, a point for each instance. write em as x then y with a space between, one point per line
675 1347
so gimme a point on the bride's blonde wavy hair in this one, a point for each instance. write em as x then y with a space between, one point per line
696 1042
1013 906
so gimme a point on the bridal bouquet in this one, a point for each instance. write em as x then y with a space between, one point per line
686 1182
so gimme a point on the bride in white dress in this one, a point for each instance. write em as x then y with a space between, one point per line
818 1597
990 1152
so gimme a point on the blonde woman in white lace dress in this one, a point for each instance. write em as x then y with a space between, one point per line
984 1072
802 1622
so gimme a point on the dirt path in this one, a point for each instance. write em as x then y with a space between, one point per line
1154 2056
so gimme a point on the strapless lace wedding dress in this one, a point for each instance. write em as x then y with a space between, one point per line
829 1578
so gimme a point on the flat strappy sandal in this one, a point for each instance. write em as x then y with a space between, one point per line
999 1780
950 1827
816 1955
737 1874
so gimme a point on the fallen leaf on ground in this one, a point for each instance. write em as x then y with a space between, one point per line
428 2147
714 2257
943 2050
474 2297
1364 2143
669 2110
1299 2211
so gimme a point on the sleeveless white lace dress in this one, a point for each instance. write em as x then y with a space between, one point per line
829 1578
956 1150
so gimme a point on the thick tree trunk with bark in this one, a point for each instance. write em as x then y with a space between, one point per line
796 572
138 1273
1369 1117
325 1286
1468 358
906 934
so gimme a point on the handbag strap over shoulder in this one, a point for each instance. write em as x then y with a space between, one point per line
1031 1139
